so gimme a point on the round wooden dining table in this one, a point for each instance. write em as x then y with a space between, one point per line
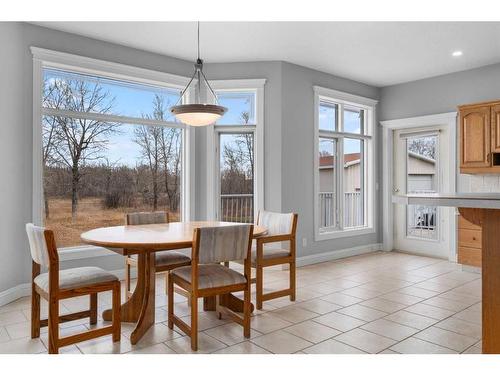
144 241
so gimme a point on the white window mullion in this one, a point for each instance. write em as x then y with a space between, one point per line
340 183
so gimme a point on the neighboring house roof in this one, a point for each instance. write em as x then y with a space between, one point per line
412 154
326 162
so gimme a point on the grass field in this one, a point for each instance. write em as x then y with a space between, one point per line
91 214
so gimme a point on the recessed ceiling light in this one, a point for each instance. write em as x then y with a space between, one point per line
457 53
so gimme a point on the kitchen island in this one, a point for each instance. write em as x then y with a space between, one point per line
483 210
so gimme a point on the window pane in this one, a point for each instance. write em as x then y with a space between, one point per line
236 177
240 108
327 116
123 168
86 93
353 183
327 199
353 120
422 178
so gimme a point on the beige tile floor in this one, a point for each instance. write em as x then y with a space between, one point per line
374 303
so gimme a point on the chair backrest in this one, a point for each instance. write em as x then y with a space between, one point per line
223 244
143 218
38 244
276 223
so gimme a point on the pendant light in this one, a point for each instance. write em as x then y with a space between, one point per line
198 113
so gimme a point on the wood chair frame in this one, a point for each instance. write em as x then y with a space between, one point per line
55 294
261 263
132 262
195 293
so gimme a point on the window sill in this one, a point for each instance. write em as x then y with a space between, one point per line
343 233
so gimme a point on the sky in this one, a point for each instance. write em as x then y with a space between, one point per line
327 121
134 100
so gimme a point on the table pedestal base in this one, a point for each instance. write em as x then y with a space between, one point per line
140 307
489 220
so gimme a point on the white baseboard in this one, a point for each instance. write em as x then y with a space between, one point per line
16 292
338 254
24 290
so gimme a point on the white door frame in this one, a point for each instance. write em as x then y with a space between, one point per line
449 120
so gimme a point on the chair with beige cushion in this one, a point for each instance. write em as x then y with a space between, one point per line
206 277
280 228
165 260
56 285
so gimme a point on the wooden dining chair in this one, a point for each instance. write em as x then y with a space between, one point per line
165 260
207 277
280 228
56 285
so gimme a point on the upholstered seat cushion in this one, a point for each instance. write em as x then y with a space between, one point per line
271 254
76 277
169 258
211 275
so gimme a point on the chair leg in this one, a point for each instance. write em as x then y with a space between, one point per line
93 308
127 278
116 320
170 308
292 281
35 314
259 286
194 323
53 323
246 313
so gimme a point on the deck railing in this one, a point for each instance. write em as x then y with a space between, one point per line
353 209
236 208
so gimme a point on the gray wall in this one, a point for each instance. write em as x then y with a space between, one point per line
15 165
288 136
298 156
440 94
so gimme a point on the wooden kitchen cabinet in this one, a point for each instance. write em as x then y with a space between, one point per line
479 127
495 128
469 243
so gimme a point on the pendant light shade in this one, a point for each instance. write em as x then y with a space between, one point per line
198 113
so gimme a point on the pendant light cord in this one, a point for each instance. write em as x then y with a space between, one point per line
198 40
198 72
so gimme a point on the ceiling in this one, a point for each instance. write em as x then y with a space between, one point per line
376 53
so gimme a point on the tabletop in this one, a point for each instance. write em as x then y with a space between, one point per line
175 235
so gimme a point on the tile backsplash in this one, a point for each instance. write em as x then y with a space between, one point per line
487 183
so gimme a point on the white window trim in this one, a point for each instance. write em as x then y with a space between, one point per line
257 86
370 167
43 58
448 119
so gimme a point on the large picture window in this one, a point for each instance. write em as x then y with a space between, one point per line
343 166
236 191
109 146
236 149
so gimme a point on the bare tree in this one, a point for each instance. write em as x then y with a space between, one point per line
171 143
160 147
50 99
425 146
80 141
149 140
244 143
